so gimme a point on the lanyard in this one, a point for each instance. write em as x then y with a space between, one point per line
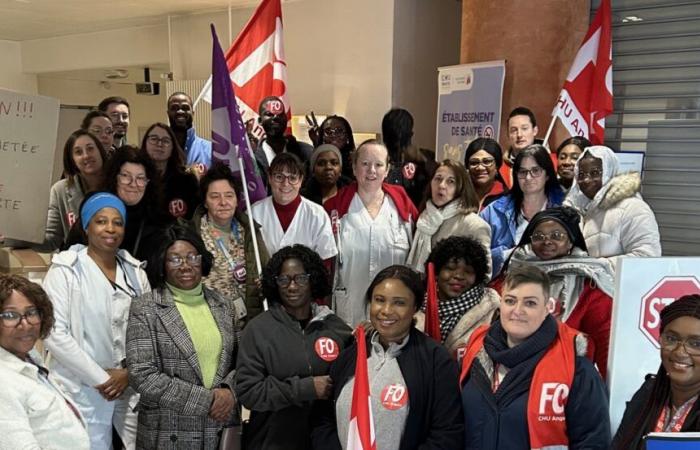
674 423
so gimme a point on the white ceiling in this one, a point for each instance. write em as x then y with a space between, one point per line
35 19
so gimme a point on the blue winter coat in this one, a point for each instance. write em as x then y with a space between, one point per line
500 215
490 427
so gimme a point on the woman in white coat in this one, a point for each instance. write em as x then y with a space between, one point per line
373 223
616 221
35 411
450 210
286 217
91 288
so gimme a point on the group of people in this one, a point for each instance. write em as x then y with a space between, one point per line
168 309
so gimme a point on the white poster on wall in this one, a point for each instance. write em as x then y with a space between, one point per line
469 106
644 287
28 125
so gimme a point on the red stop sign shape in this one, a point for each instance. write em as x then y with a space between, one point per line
665 292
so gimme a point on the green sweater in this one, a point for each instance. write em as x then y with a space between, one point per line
202 328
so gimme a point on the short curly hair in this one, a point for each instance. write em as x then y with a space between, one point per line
34 294
313 265
461 247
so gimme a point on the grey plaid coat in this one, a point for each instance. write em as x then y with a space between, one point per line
164 369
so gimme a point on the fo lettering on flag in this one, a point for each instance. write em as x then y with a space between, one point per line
361 429
586 98
256 64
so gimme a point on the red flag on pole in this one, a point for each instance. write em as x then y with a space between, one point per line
432 321
586 98
361 429
256 63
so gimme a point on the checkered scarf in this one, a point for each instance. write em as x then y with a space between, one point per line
450 311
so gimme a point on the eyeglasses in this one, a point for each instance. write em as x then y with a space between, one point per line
126 179
155 140
11 319
334 132
177 260
280 177
670 342
486 162
535 172
556 236
98 131
301 279
593 175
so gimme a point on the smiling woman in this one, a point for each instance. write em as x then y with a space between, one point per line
182 343
288 218
668 402
91 288
287 350
373 224
413 381
508 366
35 410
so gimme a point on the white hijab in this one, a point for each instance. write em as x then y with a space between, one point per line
611 166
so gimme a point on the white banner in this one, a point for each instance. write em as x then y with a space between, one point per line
469 106
644 286
28 125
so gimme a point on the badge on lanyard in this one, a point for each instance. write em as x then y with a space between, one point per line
239 273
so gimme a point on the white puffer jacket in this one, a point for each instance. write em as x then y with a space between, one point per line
617 222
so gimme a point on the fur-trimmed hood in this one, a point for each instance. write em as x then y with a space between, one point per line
616 186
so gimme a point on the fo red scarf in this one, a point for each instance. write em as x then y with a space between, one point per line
549 389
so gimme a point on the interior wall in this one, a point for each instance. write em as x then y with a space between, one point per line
145 109
114 48
539 44
426 36
12 76
339 55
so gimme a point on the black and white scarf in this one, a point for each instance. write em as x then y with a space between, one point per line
450 311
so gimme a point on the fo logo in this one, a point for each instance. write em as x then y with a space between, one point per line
554 394
177 207
662 294
326 349
394 396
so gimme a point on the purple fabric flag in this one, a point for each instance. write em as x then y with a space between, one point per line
228 133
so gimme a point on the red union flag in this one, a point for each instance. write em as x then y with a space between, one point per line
361 427
256 63
586 97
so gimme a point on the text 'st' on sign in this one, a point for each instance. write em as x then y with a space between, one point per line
665 292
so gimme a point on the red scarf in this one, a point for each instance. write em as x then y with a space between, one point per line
338 206
549 389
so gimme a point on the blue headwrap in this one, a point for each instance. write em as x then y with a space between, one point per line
96 203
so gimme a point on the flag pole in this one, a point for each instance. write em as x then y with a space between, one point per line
249 210
549 131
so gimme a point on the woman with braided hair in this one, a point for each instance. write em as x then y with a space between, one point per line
667 402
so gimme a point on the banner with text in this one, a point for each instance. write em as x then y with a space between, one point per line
644 286
469 106
28 126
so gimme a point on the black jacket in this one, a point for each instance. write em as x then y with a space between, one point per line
277 361
435 414
636 408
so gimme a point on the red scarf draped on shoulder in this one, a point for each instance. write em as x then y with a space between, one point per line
338 206
549 389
